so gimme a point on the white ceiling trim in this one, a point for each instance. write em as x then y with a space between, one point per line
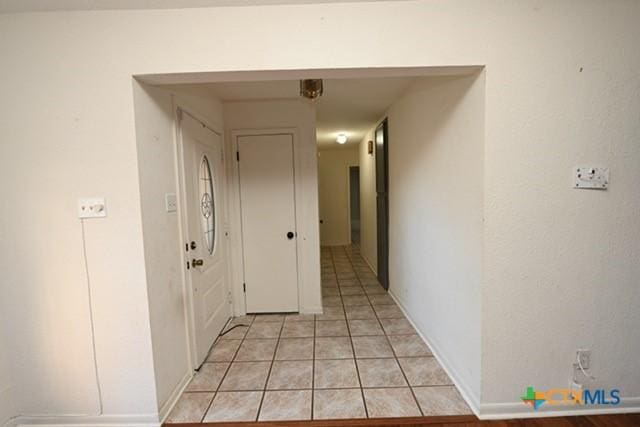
21 6
350 106
353 102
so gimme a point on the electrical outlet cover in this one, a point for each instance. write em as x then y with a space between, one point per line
93 207
591 177
584 356
171 202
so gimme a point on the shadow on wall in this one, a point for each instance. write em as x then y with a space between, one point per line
436 168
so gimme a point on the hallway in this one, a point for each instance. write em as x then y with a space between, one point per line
361 358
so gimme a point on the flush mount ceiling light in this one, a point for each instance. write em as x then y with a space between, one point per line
311 88
342 138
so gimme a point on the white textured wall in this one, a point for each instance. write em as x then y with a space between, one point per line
281 114
436 145
561 265
333 193
66 136
368 215
562 88
164 256
7 409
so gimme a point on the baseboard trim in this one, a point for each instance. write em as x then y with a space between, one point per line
311 310
500 411
335 244
472 400
7 410
150 420
375 270
510 410
167 406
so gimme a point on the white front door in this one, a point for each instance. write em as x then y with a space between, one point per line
267 197
205 246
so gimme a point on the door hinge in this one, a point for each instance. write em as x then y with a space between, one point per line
244 288
237 156
188 265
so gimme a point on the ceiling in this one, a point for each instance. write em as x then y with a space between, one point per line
16 6
351 106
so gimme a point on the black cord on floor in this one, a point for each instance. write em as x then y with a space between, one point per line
214 342
230 329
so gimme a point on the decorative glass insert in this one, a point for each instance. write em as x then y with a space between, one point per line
207 204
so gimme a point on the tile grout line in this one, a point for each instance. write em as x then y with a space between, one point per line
415 399
273 358
226 371
355 361
215 392
329 358
343 257
313 363
393 351
235 355
313 391
328 388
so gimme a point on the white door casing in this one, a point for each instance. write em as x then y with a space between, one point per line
268 222
203 211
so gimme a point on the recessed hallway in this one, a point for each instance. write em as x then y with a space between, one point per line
359 359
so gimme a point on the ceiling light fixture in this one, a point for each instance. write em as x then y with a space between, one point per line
342 138
311 88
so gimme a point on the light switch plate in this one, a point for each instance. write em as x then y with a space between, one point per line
171 202
591 177
93 207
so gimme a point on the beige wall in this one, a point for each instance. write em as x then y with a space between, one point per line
7 409
155 135
333 192
368 216
436 145
561 89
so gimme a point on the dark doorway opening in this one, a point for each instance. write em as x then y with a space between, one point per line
382 201
354 203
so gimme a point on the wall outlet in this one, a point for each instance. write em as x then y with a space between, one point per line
171 202
583 357
94 207
591 177
574 385
576 389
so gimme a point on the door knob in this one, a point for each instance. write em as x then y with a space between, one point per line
290 235
197 262
193 245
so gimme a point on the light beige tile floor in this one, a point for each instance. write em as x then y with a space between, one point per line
360 358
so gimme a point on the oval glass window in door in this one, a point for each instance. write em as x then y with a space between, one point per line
207 204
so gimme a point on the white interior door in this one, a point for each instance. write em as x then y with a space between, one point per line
206 245
267 197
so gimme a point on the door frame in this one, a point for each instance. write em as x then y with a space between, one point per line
349 166
179 109
235 217
382 224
